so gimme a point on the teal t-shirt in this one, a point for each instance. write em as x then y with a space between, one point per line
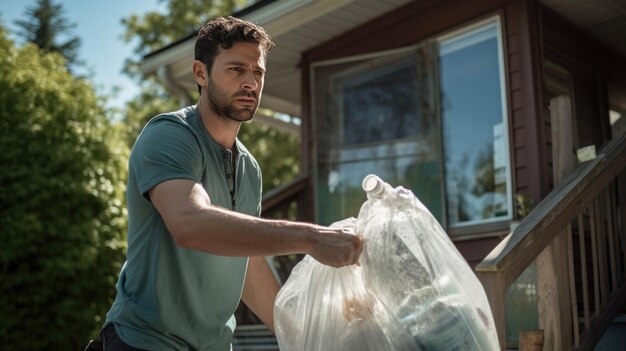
172 298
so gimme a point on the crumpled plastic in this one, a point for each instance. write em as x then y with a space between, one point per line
413 290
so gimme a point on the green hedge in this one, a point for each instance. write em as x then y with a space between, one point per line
62 225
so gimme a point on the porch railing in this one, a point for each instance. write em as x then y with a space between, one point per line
577 235
284 201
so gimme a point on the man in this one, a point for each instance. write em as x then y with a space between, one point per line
194 196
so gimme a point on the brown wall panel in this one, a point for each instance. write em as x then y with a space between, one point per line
526 100
518 121
593 66
404 26
517 99
516 80
474 251
513 40
579 47
520 154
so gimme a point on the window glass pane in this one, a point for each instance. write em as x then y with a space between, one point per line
474 140
378 118
339 185
521 304
379 105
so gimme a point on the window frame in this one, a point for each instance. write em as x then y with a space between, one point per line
464 230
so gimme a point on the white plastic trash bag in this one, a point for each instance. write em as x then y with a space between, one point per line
321 308
413 291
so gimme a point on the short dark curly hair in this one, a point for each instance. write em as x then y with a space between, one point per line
224 32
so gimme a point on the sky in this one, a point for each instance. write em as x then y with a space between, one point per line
98 24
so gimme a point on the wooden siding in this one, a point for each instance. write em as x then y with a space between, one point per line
578 47
594 68
530 160
474 251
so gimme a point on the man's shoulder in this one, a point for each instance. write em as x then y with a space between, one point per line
182 116
171 128
166 124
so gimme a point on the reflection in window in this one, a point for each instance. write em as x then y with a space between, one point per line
474 139
379 105
428 117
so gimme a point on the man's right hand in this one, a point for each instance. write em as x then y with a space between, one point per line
335 247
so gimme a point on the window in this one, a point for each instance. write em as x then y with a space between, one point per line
429 117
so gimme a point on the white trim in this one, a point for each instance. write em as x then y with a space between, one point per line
468 28
505 116
277 18
280 105
466 39
171 85
169 56
274 10
277 124
371 55
285 15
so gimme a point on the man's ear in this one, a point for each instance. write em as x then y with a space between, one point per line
200 73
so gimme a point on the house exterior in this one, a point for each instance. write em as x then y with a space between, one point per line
449 98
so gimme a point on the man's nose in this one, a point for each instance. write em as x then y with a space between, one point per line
250 81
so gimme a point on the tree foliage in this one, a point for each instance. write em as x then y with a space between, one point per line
151 101
277 152
154 30
182 17
44 24
61 214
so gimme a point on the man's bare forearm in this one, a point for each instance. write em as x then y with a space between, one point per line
223 232
196 224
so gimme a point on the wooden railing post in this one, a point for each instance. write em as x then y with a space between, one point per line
574 199
531 340
495 289
553 285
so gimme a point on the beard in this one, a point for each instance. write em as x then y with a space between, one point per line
222 104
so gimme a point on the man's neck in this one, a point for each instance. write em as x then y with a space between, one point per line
223 130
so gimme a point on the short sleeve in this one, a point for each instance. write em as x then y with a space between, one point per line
166 149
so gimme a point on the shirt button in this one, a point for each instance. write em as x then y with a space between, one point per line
228 176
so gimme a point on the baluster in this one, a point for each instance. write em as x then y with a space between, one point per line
583 269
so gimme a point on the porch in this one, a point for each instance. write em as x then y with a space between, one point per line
574 242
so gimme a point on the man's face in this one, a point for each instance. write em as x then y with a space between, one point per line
236 81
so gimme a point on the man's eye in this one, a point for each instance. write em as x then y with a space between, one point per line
259 73
236 69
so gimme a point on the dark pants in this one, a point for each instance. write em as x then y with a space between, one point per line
111 342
